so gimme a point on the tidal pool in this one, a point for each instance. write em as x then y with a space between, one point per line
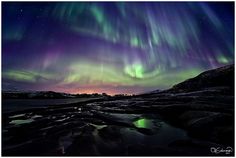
19 122
163 133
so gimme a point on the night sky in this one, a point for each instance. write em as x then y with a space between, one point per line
123 47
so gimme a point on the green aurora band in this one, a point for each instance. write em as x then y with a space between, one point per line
112 47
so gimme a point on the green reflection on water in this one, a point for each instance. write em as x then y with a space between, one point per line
143 123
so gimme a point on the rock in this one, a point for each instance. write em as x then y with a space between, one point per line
194 147
111 133
84 144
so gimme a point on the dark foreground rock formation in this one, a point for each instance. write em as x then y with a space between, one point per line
194 118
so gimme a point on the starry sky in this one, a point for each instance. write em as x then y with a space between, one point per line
112 47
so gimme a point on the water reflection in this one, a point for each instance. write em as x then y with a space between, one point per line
19 122
143 123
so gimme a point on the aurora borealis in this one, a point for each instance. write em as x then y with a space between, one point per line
112 47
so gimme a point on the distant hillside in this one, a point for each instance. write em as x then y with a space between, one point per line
220 77
35 95
45 95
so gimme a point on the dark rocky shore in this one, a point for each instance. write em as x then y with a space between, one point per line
191 119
